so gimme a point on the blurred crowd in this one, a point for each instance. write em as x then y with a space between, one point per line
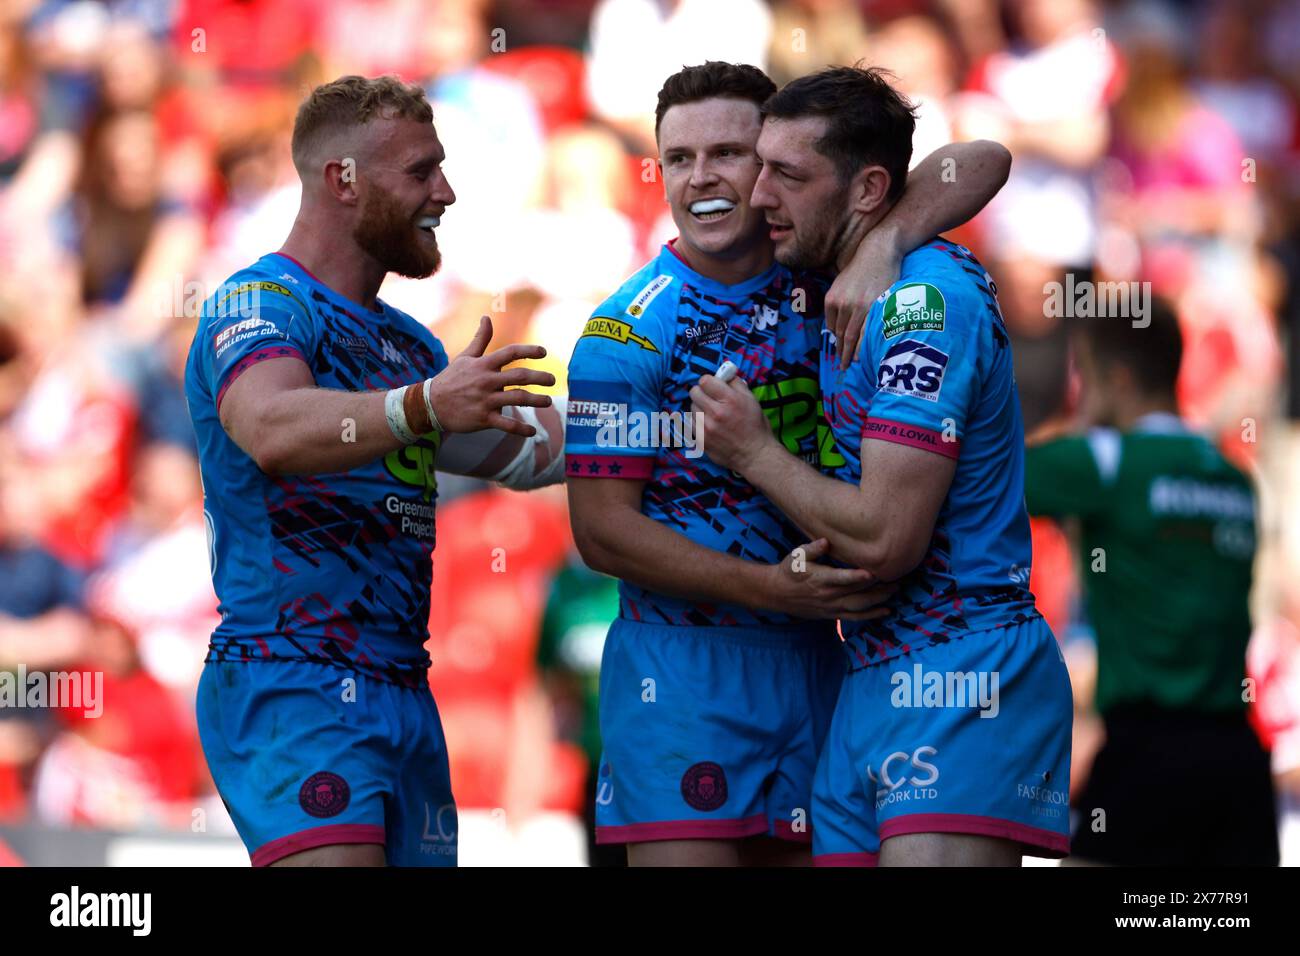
144 156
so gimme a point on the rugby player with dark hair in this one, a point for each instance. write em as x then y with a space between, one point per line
720 673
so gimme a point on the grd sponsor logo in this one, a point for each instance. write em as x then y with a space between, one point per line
913 308
894 774
791 408
416 465
913 368
647 295
617 330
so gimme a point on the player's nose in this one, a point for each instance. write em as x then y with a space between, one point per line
702 172
441 191
762 197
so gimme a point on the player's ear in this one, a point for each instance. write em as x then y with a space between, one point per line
340 178
868 189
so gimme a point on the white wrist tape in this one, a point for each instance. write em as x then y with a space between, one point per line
395 412
434 424
519 474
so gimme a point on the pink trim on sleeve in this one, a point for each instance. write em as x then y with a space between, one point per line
335 833
900 433
248 361
609 466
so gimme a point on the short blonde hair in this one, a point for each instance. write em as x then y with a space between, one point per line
353 101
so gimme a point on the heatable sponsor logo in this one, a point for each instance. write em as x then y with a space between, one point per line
913 308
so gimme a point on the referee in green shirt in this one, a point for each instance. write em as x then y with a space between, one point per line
1166 531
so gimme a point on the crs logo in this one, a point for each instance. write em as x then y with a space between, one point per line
894 770
913 368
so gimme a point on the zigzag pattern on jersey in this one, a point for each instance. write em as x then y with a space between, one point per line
988 289
316 524
927 609
688 493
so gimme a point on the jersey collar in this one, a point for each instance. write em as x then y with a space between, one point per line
671 261
296 267
1160 423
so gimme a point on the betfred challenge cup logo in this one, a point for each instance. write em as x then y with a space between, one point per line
704 786
324 794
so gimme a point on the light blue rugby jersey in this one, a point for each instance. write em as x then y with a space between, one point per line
330 568
934 372
640 354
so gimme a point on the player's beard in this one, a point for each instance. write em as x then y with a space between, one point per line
389 235
819 249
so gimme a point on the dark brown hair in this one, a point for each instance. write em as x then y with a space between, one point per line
869 122
711 79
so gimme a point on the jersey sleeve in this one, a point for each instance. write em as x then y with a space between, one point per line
923 347
440 359
616 380
1064 477
249 322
